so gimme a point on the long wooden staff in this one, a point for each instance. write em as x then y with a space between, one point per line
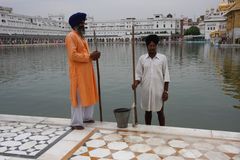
98 77
135 121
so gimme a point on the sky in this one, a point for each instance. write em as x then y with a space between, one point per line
112 9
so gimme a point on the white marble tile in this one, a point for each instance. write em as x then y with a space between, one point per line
178 143
12 148
22 136
26 124
96 136
33 153
155 141
112 137
57 133
81 150
226 135
40 126
57 121
3 149
117 145
203 146
58 150
164 150
10 143
33 130
123 155
17 152
29 119
190 153
148 135
140 148
133 139
106 131
187 132
31 150
49 131
6 135
42 142
18 129
126 133
51 140
216 156
148 156
39 138
95 143
40 146
214 141
100 152
27 145
77 135
173 158
229 149
191 139
4 128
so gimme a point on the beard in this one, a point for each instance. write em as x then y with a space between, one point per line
80 30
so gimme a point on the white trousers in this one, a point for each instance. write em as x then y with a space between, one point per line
80 114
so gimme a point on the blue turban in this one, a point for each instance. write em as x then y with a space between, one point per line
76 18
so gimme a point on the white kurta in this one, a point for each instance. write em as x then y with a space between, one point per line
152 73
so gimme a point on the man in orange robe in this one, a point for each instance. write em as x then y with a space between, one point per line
83 90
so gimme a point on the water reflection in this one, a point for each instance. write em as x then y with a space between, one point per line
227 63
21 61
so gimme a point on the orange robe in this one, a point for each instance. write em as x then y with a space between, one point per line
81 72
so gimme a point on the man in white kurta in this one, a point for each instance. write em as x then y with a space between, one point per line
153 76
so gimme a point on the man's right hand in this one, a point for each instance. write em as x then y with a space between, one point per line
95 55
135 84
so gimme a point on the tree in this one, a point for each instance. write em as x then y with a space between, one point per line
192 31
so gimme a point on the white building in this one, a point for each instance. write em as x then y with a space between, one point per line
11 23
23 29
215 21
17 28
121 30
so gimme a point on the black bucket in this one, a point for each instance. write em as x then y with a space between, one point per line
122 116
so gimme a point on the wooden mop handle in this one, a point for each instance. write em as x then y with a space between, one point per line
95 40
98 77
133 59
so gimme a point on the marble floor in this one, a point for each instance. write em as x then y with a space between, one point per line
28 140
46 138
128 145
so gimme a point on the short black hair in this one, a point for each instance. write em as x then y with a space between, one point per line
152 38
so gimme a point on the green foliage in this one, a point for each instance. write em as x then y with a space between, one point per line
192 31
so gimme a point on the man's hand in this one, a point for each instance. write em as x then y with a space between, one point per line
165 96
135 84
95 55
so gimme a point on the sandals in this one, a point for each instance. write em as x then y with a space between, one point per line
89 121
77 127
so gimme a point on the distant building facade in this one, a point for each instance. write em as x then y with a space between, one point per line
222 24
166 27
233 22
23 29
